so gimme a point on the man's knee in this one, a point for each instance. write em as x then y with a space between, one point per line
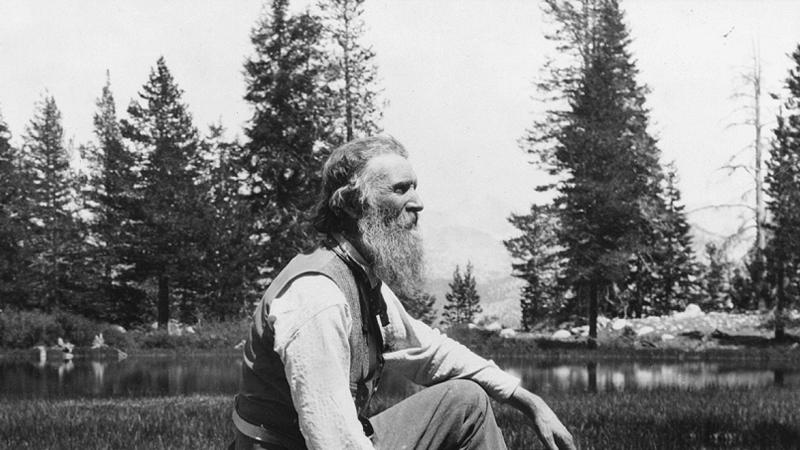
466 396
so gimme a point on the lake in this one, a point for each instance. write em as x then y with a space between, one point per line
148 376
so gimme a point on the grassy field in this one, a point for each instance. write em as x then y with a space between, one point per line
715 418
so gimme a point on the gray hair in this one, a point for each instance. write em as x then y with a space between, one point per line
343 181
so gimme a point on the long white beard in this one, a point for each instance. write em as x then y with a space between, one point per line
395 249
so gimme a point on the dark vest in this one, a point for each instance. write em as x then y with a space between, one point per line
264 398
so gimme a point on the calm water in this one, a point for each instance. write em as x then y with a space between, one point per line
218 374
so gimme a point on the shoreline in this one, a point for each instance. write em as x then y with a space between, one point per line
784 355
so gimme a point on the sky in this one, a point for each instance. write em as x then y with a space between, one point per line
458 78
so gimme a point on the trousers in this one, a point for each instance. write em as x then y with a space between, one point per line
452 415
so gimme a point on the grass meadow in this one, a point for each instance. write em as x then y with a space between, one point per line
663 419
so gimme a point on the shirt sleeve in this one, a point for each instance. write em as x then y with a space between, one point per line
312 325
426 356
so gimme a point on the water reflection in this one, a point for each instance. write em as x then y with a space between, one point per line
620 376
219 374
133 377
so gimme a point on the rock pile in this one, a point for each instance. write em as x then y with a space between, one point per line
692 322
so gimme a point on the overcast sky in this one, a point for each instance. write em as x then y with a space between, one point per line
457 75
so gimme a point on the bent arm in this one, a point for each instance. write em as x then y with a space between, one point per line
426 356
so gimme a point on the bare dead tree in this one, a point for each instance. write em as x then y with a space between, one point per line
752 99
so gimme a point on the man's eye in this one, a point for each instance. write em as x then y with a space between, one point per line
401 189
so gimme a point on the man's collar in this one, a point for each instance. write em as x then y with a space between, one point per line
351 251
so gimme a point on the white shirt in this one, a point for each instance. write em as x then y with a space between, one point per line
312 323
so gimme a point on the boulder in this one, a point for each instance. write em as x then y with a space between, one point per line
692 310
65 346
173 329
98 341
581 331
117 328
667 337
647 329
494 327
603 321
618 324
562 334
506 333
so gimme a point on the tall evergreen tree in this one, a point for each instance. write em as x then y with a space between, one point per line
783 187
676 264
537 262
351 72
228 271
54 237
463 301
715 278
663 271
111 200
13 258
598 146
168 212
311 84
287 133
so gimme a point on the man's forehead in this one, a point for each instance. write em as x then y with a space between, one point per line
391 167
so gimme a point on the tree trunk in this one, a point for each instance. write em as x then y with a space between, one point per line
348 92
163 301
760 239
591 370
780 333
593 303
777 377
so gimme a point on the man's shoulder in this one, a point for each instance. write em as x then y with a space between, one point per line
320 262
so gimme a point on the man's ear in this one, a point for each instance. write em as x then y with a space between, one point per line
351 204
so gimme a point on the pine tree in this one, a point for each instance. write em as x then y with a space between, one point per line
676 264
715 278
663 272
311 85
351 72
463 301
168 212
538 264
420 306
111 199
54 238
598 146
287 133
783 188
228 279
13 257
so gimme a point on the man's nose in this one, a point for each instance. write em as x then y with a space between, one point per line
415 202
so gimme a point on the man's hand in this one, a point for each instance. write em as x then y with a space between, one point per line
551 431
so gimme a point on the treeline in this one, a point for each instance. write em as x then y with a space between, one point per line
615 240
165 221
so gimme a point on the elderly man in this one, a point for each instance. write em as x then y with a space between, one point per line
331 323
